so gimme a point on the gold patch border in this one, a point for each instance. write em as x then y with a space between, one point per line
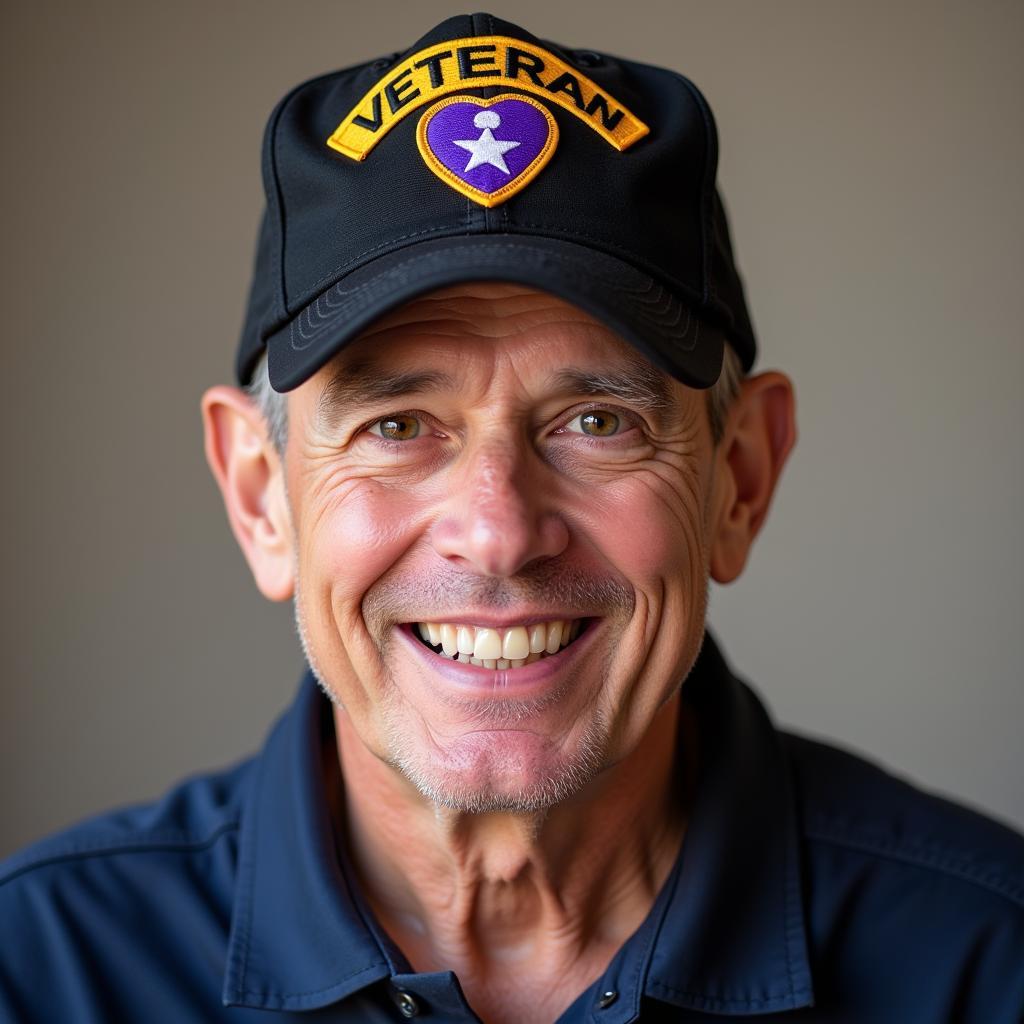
449 177
359 151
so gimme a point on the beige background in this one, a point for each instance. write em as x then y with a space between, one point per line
871 160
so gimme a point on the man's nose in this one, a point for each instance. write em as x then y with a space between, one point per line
499 516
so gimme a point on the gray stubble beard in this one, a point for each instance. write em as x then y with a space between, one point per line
573 775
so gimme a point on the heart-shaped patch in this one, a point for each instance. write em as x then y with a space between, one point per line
487 149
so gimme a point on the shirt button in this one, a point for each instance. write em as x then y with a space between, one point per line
407 1005
606 999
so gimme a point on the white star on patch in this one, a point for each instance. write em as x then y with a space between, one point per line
487 149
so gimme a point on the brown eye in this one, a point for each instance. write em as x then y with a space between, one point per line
597 423
396 428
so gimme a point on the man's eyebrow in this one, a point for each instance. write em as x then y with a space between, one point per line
641 385
363 384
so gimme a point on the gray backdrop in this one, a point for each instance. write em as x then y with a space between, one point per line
871 160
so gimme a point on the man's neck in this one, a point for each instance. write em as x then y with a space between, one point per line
527 909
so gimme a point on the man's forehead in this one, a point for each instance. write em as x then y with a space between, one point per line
449 338
485 320
485 308
556 335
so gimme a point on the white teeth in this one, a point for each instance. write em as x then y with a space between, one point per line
487 645
449 640
499 648
554 637
516 643
538 637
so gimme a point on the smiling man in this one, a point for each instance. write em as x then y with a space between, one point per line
502 645
495 429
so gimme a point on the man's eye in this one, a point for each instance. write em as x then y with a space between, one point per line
396 428
595 422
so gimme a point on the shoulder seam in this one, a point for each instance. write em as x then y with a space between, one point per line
153 843
926 859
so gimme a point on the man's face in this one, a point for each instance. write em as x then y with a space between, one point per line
492 462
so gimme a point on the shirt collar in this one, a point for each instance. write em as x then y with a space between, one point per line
732 938
299 939
725 936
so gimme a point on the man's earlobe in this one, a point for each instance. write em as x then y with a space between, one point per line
759 434
250 475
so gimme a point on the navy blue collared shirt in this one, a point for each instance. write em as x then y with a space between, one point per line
811 886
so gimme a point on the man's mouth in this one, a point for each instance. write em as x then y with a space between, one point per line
488 647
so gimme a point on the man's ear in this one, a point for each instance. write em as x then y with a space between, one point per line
759 434
250 475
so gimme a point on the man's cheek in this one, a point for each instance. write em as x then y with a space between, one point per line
648 529
357 538
352 535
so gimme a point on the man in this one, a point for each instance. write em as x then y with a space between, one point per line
495 436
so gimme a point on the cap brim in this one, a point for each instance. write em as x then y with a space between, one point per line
644 312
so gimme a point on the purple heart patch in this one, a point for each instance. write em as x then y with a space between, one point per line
487 149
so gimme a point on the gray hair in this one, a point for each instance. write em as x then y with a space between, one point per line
274 405
723 392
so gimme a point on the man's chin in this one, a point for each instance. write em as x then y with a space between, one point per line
504 770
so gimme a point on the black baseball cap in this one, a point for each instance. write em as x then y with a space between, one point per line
482 153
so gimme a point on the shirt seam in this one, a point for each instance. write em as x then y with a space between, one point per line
920 859
702 1001
285 998
642 968
790 890
178 842
246 865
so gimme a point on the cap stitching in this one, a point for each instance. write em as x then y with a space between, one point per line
277 254
674 282
326 321
710 168
275 210
663 292
503 213
434 255
615 247
328 277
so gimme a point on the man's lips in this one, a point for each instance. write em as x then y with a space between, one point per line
493 620
537 672
507 647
